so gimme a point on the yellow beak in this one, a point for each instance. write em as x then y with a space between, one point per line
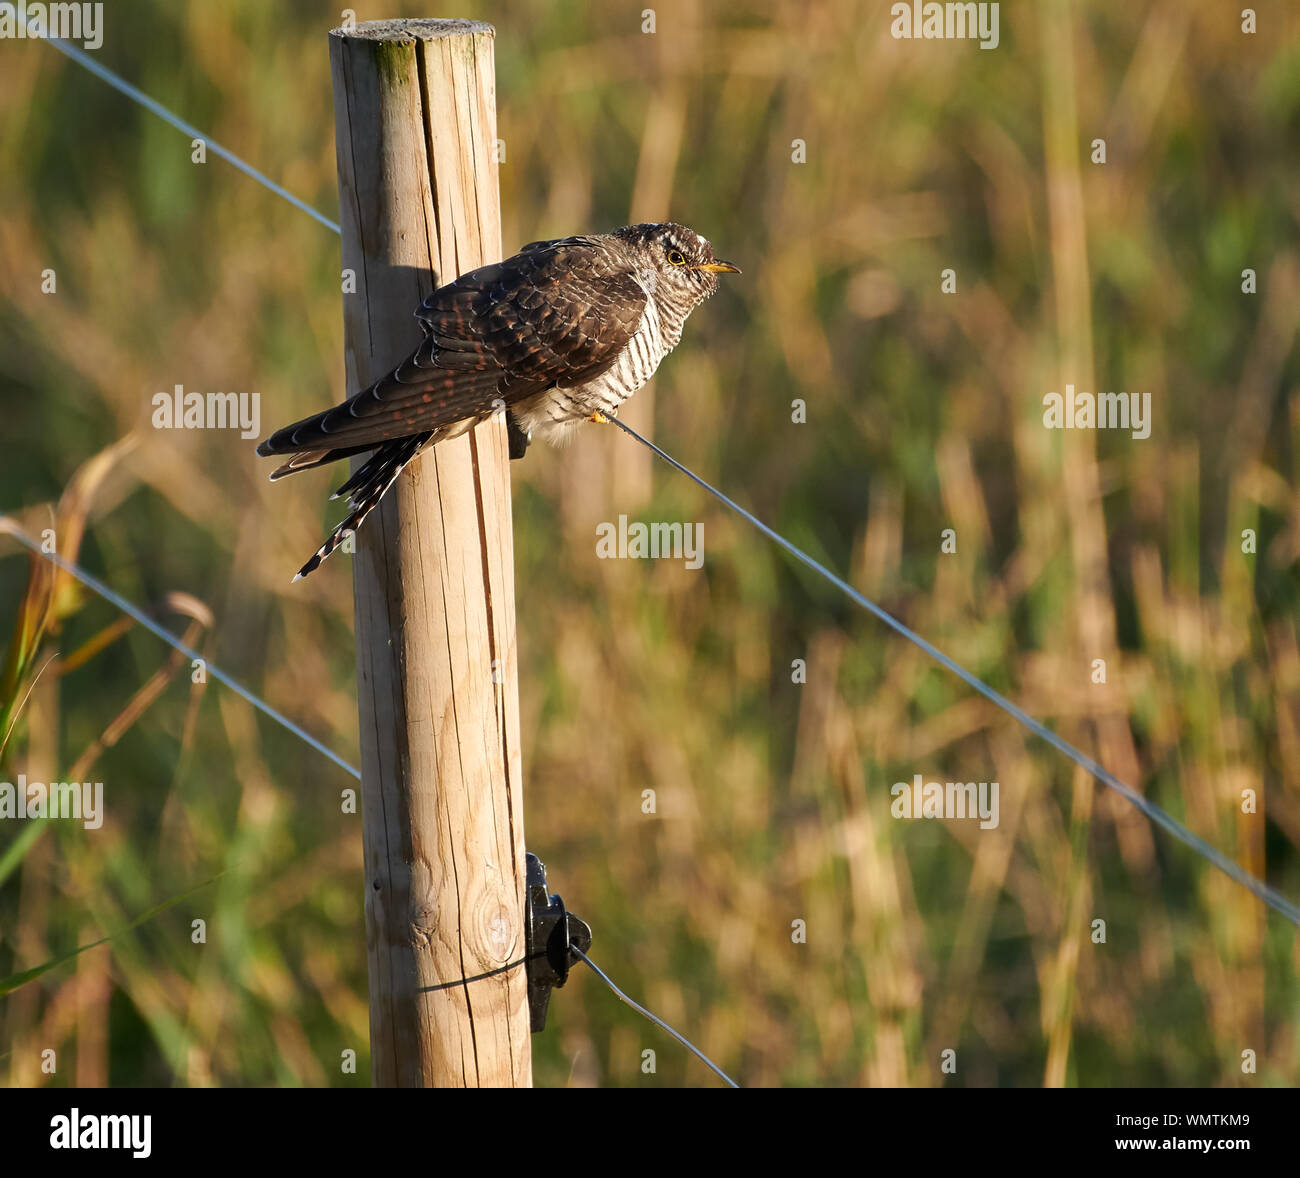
718 267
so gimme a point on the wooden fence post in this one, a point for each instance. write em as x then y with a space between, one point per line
437 686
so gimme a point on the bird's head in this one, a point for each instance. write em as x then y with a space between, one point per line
677 257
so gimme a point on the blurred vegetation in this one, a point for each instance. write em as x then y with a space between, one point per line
924 413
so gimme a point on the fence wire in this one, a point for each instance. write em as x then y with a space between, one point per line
1271 896
1156 814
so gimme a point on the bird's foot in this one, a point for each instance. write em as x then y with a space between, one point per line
516 438
599 418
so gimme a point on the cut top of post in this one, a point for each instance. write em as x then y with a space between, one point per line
413 29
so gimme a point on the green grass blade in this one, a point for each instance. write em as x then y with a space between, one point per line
13 981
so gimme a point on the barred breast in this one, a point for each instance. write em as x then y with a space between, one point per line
556 410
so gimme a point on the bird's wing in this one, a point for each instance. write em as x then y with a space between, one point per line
557 313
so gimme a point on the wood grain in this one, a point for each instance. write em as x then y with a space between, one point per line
415 120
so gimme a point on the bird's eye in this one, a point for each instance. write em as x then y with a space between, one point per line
676 257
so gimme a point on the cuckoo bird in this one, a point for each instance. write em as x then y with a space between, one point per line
563 332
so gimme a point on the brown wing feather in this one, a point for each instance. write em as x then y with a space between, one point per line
558 312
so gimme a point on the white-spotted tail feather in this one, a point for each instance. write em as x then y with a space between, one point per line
367 486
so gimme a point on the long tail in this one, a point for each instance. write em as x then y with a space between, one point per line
310 459
367 486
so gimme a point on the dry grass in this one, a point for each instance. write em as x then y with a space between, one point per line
923 414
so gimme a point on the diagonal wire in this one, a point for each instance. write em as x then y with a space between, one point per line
150 104
1271 896
1262 890
654 1018
91 582
7 527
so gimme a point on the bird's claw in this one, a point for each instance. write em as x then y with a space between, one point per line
599 418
